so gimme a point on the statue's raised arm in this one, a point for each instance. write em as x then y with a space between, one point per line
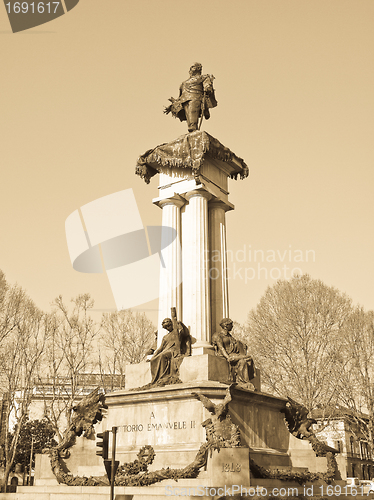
196 97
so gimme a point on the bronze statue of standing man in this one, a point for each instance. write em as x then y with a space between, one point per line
196 97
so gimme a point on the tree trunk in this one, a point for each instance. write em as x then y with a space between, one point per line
4 481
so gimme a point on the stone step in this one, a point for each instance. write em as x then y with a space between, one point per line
63 492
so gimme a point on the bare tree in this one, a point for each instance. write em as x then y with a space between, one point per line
357 392
69 359
20 354
12 300
295 335
3 290
240 332
126 336
51 380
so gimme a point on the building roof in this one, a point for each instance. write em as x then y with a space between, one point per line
337 412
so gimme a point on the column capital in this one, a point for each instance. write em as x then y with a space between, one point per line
175 200
224 205
197 192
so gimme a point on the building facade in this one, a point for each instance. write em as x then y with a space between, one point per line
355 457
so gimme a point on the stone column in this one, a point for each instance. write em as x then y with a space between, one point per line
171 267
218 263
196 296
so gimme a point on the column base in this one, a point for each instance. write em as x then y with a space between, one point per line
198 368
202 347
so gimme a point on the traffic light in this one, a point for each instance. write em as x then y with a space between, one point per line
103 444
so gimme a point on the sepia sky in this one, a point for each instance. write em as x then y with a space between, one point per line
82 97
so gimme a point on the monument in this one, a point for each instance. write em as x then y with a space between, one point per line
193 415
196 96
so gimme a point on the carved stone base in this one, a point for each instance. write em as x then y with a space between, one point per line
169 419
173 420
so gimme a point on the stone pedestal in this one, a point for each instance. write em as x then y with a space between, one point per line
169 419
199 368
